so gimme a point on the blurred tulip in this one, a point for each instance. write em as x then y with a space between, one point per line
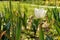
40 13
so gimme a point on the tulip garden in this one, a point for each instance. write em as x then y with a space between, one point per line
26 21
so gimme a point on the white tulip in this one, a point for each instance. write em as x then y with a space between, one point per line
40 13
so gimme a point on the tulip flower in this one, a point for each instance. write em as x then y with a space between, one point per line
40 13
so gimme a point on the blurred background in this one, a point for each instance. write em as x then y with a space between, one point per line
19 20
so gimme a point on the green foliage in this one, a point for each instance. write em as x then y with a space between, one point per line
57 19
24 18
35 24
49 15
19 24
41 34
18 29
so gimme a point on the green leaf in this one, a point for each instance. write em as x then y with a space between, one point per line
41 33
24 19
57 21
19 23
56 14
41 36
57 28
49 14
18 29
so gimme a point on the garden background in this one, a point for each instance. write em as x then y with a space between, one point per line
30 20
